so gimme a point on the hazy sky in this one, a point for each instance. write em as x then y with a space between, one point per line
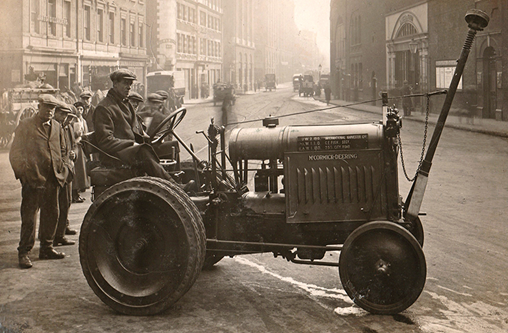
314 15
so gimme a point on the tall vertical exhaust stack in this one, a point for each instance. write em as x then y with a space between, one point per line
477 20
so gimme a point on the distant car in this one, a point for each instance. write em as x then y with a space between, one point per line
270 82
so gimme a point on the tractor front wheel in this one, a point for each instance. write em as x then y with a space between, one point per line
382 268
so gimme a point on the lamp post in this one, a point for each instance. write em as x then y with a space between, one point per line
319 72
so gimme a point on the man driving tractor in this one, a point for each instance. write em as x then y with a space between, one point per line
119 131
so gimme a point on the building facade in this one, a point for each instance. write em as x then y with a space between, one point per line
70 41
422 40
276 37
186 36
239 46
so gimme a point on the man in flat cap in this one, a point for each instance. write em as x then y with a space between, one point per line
36 158
165 103
119 131
88 108
135 99
64 116
152 114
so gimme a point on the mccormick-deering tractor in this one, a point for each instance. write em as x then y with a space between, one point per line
315 189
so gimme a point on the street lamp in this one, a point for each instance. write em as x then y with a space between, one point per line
413 47
319 72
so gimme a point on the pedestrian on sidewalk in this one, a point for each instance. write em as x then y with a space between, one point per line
36 159
63 114
328 93
407 103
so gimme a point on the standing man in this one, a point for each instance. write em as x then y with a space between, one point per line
36 158
63 115
118 130
88 108
328 93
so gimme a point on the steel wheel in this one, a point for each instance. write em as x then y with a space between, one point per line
382 268
141 246
416 229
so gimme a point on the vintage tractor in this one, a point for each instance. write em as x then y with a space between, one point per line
314 189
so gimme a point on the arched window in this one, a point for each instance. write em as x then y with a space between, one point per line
407 29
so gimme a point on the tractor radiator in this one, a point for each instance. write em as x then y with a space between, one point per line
336 186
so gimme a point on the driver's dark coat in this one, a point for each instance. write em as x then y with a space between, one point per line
117 127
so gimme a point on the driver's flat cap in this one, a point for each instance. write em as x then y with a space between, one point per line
122 74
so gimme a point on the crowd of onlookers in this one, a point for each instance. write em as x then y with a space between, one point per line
48 155
47 158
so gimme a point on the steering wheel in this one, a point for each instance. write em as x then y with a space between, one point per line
168 124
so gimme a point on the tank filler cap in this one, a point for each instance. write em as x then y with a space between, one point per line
270 122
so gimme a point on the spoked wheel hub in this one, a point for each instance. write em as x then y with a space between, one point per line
382 268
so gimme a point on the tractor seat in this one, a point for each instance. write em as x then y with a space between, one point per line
104 169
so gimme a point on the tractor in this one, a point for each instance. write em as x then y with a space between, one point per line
294 191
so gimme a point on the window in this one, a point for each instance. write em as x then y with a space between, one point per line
87 22
34 17
112 28
178 43
355 27
202 46
141 34
67 18
179 10
100 25
52 16
184 13
202 18
123 31
132 33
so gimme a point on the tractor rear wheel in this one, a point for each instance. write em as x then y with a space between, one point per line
382 267
142 246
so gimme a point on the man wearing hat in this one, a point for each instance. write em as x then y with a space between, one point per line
119 132
88 108
36 159
165 95
135 99
63 114
152 114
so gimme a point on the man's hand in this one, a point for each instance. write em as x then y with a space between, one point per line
72 155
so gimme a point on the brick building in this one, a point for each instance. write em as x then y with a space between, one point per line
421 42
70 41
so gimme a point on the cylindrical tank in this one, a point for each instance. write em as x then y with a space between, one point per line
272 143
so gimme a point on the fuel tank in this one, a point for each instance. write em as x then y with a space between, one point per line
272 143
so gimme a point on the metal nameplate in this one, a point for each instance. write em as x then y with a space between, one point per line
333 142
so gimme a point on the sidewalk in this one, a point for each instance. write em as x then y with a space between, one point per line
478 125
